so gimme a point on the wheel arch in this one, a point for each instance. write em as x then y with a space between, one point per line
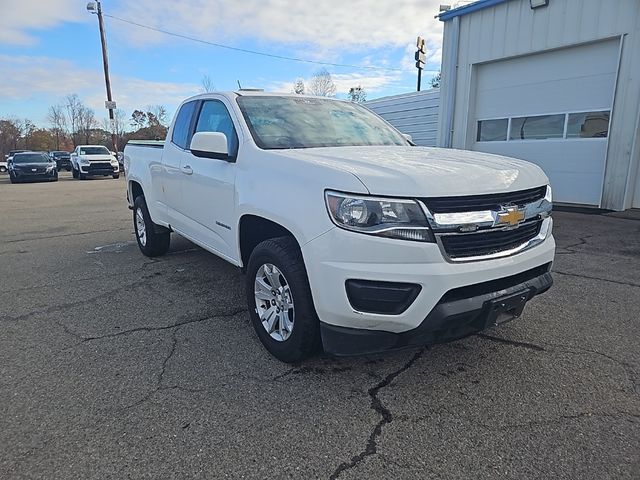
254 229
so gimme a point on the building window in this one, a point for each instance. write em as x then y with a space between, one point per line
492 130
588 125
537 127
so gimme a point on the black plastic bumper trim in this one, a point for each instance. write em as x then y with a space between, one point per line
387 298
449 320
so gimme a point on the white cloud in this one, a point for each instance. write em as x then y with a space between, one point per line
327 27
371 82
21 16
51 79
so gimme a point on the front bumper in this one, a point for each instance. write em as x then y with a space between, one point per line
23 175
65 163
340 255
459 313
99 169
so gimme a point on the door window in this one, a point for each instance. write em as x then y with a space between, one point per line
182 125
214 117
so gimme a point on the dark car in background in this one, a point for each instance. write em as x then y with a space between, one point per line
32 166
62 159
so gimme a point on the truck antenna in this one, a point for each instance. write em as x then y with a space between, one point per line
239 86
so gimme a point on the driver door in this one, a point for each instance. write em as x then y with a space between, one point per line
208 185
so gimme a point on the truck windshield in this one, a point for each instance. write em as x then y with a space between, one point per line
94 151
306 122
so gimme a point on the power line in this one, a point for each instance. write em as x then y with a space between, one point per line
253 52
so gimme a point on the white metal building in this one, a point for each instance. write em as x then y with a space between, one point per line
557 84
414 113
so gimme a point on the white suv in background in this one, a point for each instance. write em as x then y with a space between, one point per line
93 160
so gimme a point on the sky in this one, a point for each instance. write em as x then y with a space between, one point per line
51 48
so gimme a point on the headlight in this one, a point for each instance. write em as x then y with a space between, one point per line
384 217
84 161
549 195
50 167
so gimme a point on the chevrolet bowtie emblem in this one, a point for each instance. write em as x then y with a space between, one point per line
511 216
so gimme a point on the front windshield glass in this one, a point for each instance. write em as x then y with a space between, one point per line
30 158
306 122
94 151
60 154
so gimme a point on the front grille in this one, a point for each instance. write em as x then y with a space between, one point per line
99 166
474 203
29 171
487 242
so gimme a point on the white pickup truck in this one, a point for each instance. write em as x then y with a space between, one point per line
351 238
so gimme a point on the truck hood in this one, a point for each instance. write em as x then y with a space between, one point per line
425 171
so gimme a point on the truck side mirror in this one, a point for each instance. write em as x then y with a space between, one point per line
407 137
210 145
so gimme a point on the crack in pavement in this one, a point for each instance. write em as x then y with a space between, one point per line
514 343
630 284
85 301
380 409
628 369
572 247
63 235
163 327
163 369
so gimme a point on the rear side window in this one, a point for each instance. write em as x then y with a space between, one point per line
182 125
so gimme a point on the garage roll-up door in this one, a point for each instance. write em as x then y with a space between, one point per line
553 109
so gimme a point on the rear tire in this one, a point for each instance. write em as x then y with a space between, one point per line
302 339
153 240
116 176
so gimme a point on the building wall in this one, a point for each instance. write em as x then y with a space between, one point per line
513 29
414 113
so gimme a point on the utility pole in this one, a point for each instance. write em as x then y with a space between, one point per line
96 7
421 58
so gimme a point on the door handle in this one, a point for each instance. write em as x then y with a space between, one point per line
187 170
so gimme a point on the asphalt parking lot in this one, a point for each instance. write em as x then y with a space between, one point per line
113 365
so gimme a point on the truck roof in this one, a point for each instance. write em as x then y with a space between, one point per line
230 94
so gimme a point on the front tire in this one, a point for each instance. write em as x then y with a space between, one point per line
280 302
153 240
75 173
116 175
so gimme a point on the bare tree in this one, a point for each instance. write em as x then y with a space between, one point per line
74 107
322 84
207 84
357 94
10 133
86 122
58 122
298 87
157 115
138 119
28 127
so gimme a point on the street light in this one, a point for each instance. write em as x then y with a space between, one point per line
96 8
